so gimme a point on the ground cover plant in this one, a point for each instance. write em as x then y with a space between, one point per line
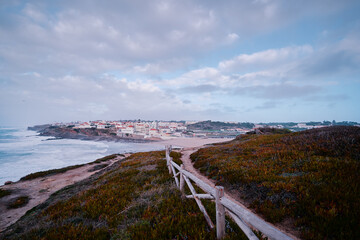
35 175
4 192
19 202
135 198
311 177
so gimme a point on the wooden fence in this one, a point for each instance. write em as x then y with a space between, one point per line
242 216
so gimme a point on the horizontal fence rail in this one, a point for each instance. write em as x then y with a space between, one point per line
242 216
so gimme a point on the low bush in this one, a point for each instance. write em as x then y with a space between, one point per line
18 202
32 176
4 192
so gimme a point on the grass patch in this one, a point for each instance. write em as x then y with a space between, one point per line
18 202
98 167
107 158
4 192
310 176
32 176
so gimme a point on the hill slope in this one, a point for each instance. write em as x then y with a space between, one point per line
135 198
310 177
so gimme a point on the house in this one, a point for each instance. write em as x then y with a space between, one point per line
153 132
129 130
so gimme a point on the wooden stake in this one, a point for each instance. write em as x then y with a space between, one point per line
174 173
181 178
220 213
202 208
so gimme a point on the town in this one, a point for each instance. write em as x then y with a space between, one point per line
139 129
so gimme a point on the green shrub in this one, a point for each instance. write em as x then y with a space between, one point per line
4 192
32 176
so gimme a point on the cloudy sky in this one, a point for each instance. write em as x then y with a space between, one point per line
240 60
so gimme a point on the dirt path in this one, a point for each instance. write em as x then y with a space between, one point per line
39 189
186 152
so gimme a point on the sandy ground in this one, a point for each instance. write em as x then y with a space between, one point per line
40 189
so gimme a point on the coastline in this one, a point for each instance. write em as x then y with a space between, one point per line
39 189
88 134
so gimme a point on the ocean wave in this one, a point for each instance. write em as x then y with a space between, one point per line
26 152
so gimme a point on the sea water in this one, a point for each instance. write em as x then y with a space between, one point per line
23 152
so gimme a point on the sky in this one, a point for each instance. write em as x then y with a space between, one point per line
231 60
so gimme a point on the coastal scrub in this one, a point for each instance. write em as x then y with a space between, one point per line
135 198
310 177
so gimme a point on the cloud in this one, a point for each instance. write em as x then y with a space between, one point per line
206 88
339 58
57 58
327 98
86 36
281 91
267 105
267 58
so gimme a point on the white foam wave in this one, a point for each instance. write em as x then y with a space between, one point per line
29 153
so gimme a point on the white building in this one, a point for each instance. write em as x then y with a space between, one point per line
129 129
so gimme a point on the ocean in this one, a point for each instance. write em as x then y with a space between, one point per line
23 152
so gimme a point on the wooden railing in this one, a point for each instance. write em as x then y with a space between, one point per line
242 216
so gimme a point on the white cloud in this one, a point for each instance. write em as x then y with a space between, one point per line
270 57
54 56
232 36
94 108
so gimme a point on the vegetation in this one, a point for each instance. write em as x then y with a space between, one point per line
49 172
216 126
135 198
19 202
268 130
311 177
4 192
107 158
65 169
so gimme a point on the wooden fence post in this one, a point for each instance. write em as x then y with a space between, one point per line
167 155
181 178
220 213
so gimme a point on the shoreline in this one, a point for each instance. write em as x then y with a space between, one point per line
40 189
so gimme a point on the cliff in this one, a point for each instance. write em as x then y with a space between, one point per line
83 133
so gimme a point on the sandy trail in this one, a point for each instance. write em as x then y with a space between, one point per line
186 152
39 190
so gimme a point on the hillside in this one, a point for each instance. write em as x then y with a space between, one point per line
308 179
83 133
217 126
135 198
